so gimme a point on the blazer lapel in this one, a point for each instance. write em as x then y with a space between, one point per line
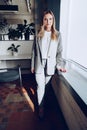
39 47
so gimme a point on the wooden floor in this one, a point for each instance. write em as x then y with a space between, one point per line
29 121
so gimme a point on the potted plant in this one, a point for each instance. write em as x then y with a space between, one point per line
17 32
14 49
14 34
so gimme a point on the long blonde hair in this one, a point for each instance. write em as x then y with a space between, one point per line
54 33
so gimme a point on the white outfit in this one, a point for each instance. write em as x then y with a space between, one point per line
41 78
45 52
45 44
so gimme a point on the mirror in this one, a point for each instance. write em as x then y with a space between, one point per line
16 31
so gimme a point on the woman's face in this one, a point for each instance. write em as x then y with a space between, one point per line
48 21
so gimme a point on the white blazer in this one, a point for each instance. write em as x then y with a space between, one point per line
54 55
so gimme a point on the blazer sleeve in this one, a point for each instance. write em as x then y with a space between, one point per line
59 53
33 54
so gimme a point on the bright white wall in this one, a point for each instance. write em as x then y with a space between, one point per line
74 29
64 21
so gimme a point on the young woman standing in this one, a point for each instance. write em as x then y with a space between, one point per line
46 55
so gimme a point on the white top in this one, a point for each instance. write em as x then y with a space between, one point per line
45 44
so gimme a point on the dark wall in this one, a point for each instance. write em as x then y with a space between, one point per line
53 5
41 7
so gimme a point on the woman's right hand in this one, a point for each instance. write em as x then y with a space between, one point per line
62 69
32 70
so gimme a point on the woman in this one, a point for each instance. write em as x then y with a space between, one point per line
46 55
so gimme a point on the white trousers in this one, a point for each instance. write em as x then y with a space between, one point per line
41 80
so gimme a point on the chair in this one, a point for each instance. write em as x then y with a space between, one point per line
11 74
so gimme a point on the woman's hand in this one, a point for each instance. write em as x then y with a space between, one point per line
32 70
62 69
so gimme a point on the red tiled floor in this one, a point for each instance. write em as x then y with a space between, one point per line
27 120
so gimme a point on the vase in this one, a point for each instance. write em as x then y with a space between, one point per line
15 53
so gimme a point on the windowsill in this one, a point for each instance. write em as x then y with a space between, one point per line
75 81
69 80
78 83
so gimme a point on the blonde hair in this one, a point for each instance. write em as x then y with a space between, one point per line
54 33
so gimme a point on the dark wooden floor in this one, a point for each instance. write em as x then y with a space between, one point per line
53 120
